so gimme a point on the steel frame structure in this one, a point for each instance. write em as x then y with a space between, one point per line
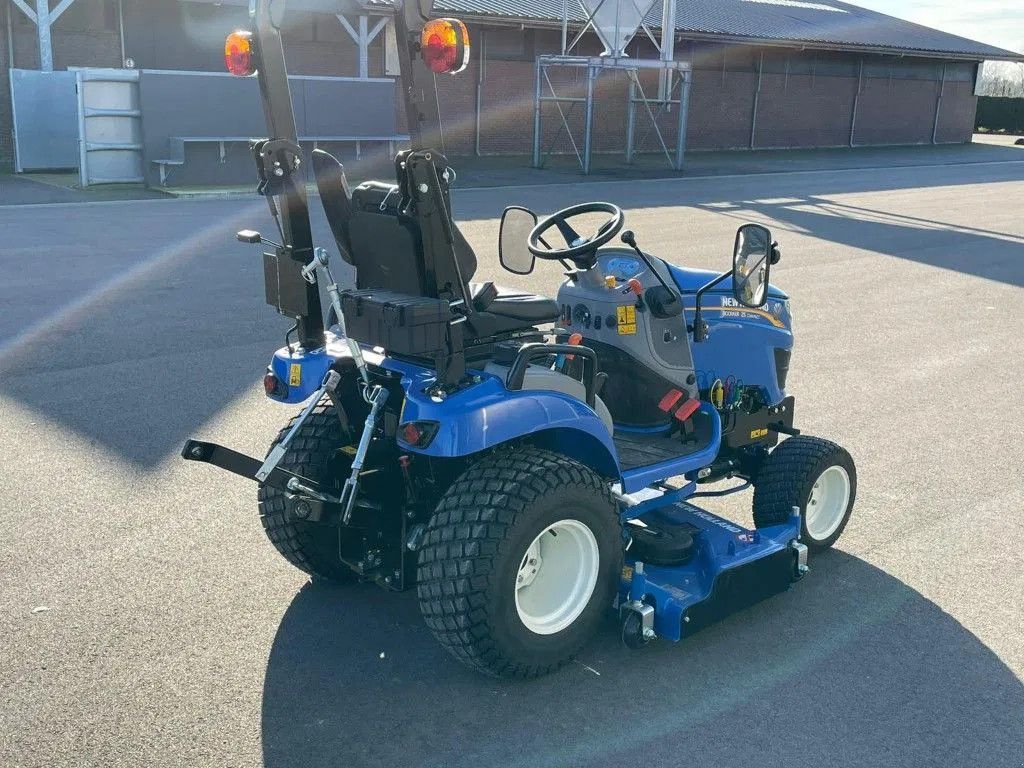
677 75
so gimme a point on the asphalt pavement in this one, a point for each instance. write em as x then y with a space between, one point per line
145 620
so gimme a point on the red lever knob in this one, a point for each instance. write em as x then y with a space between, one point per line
575 340
635 286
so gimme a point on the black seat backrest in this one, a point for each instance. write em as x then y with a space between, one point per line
336 198
384 247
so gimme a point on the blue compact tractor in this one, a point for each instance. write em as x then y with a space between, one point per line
526 463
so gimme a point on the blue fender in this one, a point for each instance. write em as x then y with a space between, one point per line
486 415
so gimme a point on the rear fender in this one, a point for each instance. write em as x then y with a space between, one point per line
487 415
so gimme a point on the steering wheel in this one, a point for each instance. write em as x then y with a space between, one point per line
579 247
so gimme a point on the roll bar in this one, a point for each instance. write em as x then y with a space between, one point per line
277 160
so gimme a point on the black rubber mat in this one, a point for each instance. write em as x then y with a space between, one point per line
642 450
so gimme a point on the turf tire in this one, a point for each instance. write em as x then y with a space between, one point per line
475 543
787 477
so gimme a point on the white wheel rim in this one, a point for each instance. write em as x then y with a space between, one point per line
826 508
557 576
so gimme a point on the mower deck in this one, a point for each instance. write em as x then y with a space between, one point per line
728 568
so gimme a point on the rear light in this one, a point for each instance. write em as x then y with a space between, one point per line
444 45
238 54
418 434
273 386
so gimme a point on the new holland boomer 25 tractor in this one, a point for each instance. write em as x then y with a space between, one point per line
509 454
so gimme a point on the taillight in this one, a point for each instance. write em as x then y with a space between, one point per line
444 45
273 386
417 433
238 55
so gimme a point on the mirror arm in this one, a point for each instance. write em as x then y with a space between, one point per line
700 333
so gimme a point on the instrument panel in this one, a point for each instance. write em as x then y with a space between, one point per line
623 268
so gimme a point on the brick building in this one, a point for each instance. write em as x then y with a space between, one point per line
766 73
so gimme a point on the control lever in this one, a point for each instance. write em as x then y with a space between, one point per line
630 239
253 237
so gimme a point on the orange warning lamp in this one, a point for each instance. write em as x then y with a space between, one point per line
444 45
238 55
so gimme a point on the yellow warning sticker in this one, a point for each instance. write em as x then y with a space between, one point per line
295 375
756 434
627 573
626 320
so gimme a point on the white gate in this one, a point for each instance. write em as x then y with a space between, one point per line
45 117
109 126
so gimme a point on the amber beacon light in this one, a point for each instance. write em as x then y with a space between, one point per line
444 45
238 55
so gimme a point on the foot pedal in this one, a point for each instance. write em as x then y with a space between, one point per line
681 408
668 546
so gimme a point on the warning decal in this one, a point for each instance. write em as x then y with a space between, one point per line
626 317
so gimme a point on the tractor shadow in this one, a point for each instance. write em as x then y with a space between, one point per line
852 668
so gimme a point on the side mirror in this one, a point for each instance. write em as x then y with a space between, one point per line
516 225
751 264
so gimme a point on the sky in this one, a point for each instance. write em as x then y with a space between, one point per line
996 22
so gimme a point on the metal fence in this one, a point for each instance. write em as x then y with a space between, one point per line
159 126
44 109
1000 113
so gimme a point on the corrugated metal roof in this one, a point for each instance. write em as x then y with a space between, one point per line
817 23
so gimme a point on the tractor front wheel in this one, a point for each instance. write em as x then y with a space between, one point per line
519 562
815 475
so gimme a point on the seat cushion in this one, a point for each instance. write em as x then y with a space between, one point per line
517 304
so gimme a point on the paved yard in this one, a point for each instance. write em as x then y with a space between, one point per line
174 635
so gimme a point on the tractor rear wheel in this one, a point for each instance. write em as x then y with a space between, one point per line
519 562
815 475
314 454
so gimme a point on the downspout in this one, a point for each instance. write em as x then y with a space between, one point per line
757 99
10 38
856 103
938 106
482 63
120 29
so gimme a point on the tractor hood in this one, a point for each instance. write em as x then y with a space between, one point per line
691 280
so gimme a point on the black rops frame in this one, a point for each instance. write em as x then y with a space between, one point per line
421 176
278 160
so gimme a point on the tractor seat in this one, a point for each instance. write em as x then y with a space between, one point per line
513 303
